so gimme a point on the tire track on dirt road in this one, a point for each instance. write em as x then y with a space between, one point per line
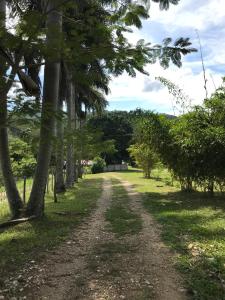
155 258
65 267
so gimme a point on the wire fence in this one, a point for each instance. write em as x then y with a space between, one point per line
24 186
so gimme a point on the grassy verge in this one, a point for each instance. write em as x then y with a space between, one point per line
122 220
27 241
192 224
4 212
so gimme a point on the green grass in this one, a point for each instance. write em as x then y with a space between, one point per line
194 226
29 240
122 220
4 211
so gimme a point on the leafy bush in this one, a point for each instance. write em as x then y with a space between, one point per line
22 159
192 146
98 165
144 156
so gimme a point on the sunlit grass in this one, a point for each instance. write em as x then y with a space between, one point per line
194 226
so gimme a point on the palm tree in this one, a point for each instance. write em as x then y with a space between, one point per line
165 4
10 59
71 126
59 153
49 104
14 199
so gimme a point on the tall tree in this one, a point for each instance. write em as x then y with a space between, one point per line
60 130
49 104
71 126
14 199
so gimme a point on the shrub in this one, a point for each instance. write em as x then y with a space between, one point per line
22 159
144 157
98 165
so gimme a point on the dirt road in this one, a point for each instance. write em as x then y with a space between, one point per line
96 264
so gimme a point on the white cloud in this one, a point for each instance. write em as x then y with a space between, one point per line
126 89
206 15
190 13
152 85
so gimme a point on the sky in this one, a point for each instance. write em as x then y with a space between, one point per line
182 20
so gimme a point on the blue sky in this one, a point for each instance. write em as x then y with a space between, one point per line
208 17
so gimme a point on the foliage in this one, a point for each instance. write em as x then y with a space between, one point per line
144 156
182 101
98 165
118 126
192 146
89 143
23 161
115 126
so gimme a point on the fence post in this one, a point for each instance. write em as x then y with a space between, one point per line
24 189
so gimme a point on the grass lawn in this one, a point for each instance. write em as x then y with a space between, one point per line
193 225
29 240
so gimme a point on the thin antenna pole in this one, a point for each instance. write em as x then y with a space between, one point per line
203 65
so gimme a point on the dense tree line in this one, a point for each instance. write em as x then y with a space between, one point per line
118 126
79 45
191 146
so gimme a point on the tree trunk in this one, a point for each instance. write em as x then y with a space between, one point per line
13 196
49 104
189 187
211 187
14 199
79 163
80 170
70 158
59 179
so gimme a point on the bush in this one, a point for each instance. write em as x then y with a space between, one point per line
144 157
22 158
98 165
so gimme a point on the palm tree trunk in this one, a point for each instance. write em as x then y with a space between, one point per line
70 159
79 166
14 199
59 178
49 104
13 196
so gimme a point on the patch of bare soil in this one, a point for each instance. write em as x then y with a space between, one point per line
94 264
